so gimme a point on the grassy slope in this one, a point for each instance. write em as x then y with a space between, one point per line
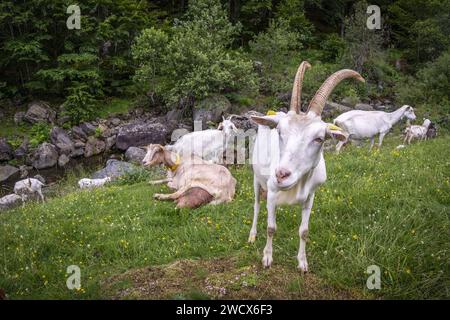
389 208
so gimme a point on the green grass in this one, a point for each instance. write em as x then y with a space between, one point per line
114 106
389 208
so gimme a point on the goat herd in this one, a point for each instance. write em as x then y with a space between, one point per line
287 158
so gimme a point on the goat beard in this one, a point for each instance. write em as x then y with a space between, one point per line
194 198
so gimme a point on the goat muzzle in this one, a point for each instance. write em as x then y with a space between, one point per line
282 174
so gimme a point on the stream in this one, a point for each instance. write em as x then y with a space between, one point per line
55 174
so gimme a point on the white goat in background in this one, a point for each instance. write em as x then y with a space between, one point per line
87 183
417 132
28 186
361 125
292 168
207 144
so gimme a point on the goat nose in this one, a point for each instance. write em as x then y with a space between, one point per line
282 174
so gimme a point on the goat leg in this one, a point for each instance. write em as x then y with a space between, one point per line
156 182
253 231
171 196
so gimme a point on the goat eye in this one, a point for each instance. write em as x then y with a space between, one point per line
318 140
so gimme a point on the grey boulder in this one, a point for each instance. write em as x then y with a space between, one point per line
244 122
110 142
211 109
88 128
93 147
333 109
135 154
114 168
19 117
22 151
364 107
10 201
7 171
63 160
78 133
46 156
6 151
39 111
141 133
60 138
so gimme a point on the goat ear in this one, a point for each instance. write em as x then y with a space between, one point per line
220 127
335 132
269 121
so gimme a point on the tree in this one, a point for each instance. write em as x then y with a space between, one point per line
195 59
420 28
362 43
293 12
273 46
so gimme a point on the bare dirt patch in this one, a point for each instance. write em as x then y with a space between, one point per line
221 278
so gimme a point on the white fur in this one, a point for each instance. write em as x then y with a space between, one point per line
361 125
417 132
29 186
207 144
87 183
296 146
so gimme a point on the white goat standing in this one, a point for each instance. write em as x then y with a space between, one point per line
292 168
87 183
207 144
28 186
362 125
417 132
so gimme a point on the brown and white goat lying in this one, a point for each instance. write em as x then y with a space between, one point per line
197 182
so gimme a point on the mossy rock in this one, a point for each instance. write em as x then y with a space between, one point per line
211 109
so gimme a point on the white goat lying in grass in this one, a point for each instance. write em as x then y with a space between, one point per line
207 144
28 186
361 125
417 132
87 183
197 182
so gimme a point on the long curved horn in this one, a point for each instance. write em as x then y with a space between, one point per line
318 102
297 88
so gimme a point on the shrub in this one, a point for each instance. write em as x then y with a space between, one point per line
293 12
80 104
39 133
362 44
135 176
272 47
333 47
430 85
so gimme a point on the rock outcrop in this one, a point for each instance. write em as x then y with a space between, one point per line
46 156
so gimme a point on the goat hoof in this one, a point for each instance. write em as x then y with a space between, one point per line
252 238
267 261
157 196
303 266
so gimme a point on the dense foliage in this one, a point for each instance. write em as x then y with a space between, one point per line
194 60
181 51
